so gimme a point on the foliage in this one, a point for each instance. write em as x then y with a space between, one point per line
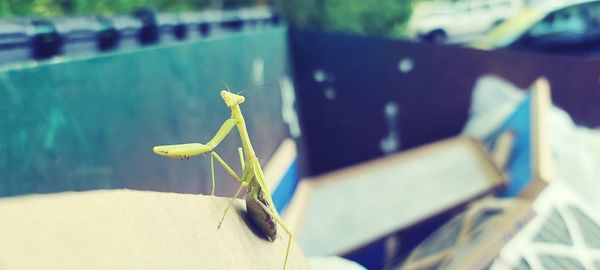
373 17
51 8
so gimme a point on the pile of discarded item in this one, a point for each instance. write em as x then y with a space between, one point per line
505 192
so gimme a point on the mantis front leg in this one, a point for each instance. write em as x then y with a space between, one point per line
185 151
222 132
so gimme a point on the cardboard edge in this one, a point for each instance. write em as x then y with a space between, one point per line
339 175
503 149
178 219
541 154
492 167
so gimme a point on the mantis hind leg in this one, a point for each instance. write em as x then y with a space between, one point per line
212 174
285 228
246 178
231 200
260 178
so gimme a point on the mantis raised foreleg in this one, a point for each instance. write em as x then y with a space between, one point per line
258 198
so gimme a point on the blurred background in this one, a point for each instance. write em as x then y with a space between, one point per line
536 26
334 89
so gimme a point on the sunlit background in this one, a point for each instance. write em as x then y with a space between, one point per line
395 134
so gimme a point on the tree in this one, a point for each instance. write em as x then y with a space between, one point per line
385 18
53 8
372 17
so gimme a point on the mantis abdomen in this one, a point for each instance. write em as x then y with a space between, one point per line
259 216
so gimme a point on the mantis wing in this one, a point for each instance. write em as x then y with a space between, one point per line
182 150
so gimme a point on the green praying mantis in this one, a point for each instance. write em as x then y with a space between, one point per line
258 198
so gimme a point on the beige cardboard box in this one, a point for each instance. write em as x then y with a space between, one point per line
127 229
343 211
465 242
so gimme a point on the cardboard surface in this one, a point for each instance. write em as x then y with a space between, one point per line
126 229
352 207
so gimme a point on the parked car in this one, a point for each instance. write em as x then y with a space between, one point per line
459 21
567 28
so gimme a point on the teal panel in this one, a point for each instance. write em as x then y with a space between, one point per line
78 124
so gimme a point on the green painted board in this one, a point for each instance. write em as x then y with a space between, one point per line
90 123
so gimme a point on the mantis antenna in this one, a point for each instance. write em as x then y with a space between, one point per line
226 86
206 66
256 87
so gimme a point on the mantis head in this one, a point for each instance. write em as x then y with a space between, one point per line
232 99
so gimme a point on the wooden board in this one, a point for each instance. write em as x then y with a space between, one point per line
126 229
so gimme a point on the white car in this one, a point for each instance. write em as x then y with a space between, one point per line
459 21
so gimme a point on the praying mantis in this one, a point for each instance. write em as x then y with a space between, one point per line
258 198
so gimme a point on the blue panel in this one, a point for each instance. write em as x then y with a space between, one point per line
284 191
519 166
